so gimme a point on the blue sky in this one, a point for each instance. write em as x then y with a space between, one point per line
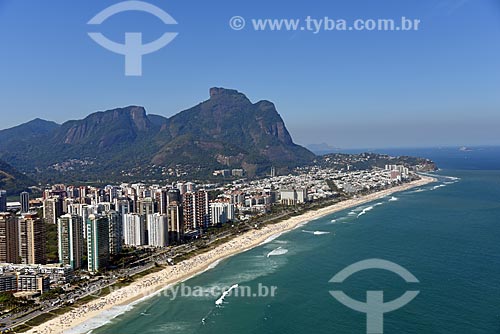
436 86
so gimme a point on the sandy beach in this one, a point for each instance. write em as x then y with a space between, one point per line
152 283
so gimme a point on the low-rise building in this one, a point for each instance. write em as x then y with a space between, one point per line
33 283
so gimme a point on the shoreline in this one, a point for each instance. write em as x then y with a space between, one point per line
154 283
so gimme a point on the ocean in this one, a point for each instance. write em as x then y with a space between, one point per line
446 234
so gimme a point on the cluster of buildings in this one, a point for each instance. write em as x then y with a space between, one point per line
398 172
33 279
307 184
23 253
238 172
22 239
364 180
94 224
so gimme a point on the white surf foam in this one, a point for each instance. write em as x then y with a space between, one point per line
277 251
303 224
213 265
219 301
344 219
271 238
365 210
393 199
316 232
100 320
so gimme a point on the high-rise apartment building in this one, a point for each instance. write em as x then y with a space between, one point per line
196 210
32 240
157 226
221 213
293 196
175 222
146 206
52 209
115 232
97 242
70 240
161 198
123 206
9 245
25 202
134 229
3 200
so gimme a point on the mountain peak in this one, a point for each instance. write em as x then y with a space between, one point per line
105 129
132 111
41 122
231 130
136 115
38 120
219 92
135 111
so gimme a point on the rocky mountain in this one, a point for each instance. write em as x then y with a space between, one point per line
233 131
226 131
105 129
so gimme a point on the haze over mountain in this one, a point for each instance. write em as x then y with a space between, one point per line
226 131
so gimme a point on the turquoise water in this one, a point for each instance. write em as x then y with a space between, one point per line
447 236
